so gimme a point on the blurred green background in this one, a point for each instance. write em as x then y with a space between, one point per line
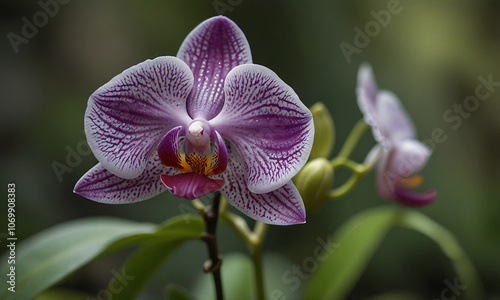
430 54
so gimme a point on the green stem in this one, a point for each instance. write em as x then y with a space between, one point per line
254 240
358 170
351 141
342 190
239 226
259 232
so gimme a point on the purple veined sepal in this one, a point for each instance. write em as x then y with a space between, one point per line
283 206
382 110
211 50
267 123
366 89
100 185
393 120
127 117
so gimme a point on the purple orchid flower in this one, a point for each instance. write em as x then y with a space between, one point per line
203 121
401 154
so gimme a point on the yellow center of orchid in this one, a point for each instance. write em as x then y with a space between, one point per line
195 163
197 157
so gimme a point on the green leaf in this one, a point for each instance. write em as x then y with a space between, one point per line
358 239
180 227
62 294
396 296
143 263
450 247
354 244
46 258
175 292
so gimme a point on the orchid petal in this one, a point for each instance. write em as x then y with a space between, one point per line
168 148
221 153
366 92
211 50
128 116
100 185
393 121
269 126
191 185
407 158
401 161
366 89
283 206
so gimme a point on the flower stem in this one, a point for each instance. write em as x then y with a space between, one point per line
259 232
254 240
342 161
211 215
358 171
351 141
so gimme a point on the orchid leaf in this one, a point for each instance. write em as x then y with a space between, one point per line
62 294
395 296
358 239
49 256
467 274
175 292
143 263
354 244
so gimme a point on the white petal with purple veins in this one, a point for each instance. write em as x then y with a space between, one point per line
408 157
211 50
282 206
100 185
393 121
127 117
270 127
366 87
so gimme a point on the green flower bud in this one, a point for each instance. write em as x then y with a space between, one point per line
324 128
314 182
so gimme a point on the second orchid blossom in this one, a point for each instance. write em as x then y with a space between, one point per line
205 120
401 154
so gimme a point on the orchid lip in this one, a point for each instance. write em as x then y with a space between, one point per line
410 198
191 185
